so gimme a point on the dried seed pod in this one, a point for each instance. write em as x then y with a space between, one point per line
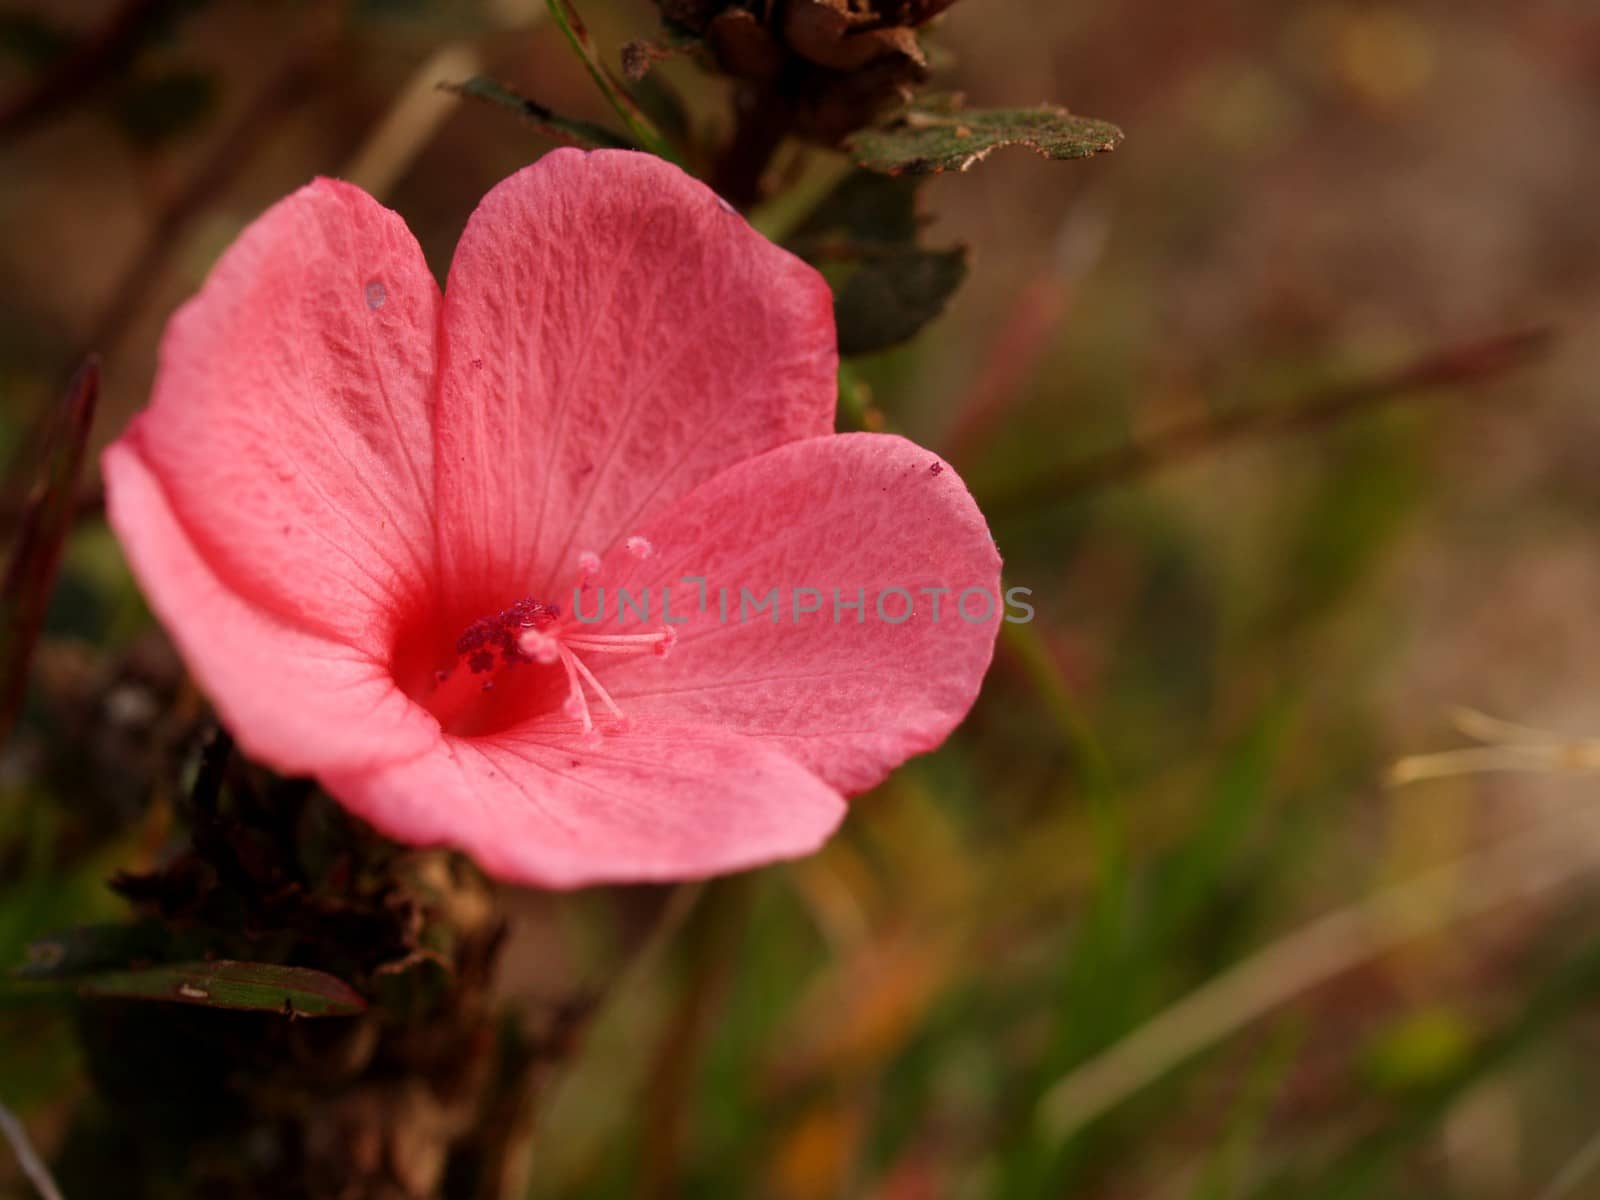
836 64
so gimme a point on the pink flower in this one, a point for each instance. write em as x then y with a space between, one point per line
364 511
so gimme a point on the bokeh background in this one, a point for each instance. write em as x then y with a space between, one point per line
1156 922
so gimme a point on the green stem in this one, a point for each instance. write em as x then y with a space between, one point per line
644 131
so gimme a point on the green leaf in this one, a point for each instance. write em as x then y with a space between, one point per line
865 207
936 134
566 130
863 236
30 573
244 986
892 294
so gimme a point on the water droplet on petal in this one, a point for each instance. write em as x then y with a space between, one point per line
376 294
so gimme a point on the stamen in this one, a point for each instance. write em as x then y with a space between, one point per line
639 548
575 697
530 632
540 647
588 566
603 695
620 643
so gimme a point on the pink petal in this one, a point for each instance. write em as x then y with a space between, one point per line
293 699
848 700
291 423
614 335
559 810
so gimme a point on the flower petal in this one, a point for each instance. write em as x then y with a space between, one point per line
291 422
561 810
293 699
613 335
850 695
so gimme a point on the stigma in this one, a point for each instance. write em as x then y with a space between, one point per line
530 635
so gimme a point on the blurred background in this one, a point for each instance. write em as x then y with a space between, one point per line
1160 920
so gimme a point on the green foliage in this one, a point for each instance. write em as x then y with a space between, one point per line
891 295
242 986
887 287
937 134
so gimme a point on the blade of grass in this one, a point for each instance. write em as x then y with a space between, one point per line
27 1157
1575 1172
553 125
1357 1172
635 118
1220 1178
36 556
1093 1001
1201 862
1550 854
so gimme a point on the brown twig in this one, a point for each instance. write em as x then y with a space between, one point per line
1470 363
35 558
91 501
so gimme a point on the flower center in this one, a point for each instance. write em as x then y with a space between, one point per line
524 661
